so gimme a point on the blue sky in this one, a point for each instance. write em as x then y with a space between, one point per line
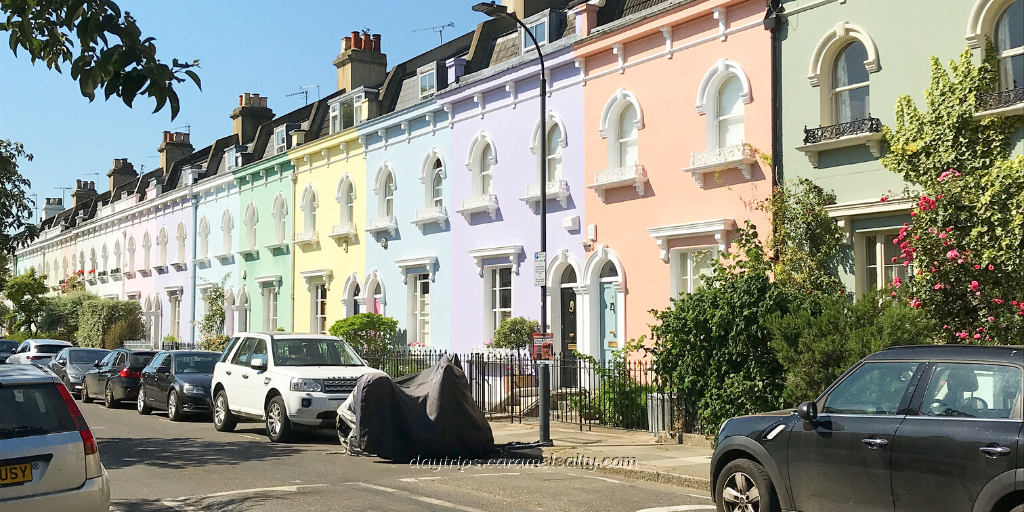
259 46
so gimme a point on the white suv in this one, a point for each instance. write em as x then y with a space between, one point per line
283 379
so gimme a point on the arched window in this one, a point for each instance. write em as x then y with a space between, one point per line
609 271
486 173
64 267
74 263
81 261
384 186
117 255
554 142
130 263
93 263
226 225
251 219
389 195
204 238
161 242
243 310
621 121
436 184
104 257
280 216
850 89
309 206
348 198
627 143
729 113
229 313
56 272
180 236
146 245
1010 46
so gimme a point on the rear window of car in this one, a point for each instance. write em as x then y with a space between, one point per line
195 363
8 346
140 359
49 349
86 355
33 410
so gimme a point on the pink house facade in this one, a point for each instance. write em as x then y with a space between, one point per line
677 109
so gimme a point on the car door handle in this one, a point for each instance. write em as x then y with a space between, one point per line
227 372
995 451
874 443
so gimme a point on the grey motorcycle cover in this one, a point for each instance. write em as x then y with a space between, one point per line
430 414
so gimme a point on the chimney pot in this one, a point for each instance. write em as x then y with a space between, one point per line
367 42
346 44
239 100
357 41
376 43
246 99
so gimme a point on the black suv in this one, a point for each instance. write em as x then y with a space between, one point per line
908 429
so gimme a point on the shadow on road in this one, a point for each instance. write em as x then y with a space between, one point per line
220 504
179 453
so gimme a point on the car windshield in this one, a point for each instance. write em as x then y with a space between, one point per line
85 355
195 363
49 349
140 359
314 352
33 410
8 345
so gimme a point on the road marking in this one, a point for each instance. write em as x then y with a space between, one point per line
424 499
493 474
252 437
701 497
420 478
678 508
597 478
177 503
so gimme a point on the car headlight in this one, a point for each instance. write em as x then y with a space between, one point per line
314 385
75 376
193 390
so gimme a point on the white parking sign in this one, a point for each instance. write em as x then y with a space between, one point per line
540 268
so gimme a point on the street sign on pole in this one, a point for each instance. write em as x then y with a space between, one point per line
543 346
540 268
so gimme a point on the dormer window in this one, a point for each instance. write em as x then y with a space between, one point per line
280 140
233 157
539 31
428 84
335 116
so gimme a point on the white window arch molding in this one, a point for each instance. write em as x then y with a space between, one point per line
480 200
181 237
345 231
104 258
561 261
433 209
609 116
162 241
369 295
716 155
351 298
707 94
559 188
591 288
823 59
385 184
204 240
229 311
476 146
552 119
618 174
249 220
309 204
280 214
242 310
982 22
227 224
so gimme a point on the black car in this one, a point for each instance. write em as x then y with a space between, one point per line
71 365
116 377
7 347
177 381
908 429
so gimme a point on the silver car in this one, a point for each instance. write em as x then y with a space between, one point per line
48 456
36 351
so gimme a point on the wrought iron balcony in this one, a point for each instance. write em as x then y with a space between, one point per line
438 214
835 131
998 100
740 156
482 203
387 223
554 190
634 175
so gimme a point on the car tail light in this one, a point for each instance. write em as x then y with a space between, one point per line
128 373
35 358
83 428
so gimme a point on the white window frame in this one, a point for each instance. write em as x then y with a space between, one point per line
130 267
230 158
204 238
335 117
280 216
677 256
1002 56
823 61
104 257
310 203
609 126
881 237
419 83
542 36
491 297
835 92
181 237
720 118
251 219
418 319
280 140
161 242
318 298
227 224
270 305
175 306
147 245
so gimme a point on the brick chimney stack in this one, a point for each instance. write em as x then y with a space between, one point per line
123 171
53 206
174 147
83 191
361 62
251 112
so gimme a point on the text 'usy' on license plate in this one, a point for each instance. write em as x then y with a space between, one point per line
15 474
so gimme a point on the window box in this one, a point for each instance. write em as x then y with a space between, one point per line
308 237
115 274
867 131
554 190
630 175
1002 103
387 223
740 156
160 268
344 232
482 203
438 214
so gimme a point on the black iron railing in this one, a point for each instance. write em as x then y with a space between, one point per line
584 391
994 100
835 131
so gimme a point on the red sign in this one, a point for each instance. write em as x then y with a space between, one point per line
543 346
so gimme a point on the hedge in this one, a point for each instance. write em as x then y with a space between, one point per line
97 317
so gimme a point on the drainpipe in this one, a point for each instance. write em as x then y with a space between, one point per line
774 20
194 199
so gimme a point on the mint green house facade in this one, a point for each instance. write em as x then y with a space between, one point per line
843 65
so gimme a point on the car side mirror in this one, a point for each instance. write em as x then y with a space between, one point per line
95 364
808 411
258 364
14 351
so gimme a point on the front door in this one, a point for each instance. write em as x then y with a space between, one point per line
842 461
966 434
609 321
568 343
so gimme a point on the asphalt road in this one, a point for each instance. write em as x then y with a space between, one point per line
159 466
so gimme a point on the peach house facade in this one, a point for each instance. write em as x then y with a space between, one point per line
677 110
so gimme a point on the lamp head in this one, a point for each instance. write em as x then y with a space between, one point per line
491 9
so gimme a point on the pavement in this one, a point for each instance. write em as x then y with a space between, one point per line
156 465
645 458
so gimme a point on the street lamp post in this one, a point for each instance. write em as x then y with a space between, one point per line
543 378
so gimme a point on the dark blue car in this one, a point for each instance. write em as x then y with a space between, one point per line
178 381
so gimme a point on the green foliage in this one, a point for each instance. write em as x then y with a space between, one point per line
170 340
26 293
112 53
15 208
73 283
211 327
61 313
818 342
98 315
515 333
713 344
619 400
370 334
216 343
967 237
125 329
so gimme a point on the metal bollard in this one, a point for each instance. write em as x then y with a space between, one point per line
544 388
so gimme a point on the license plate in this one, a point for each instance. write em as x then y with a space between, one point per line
15 474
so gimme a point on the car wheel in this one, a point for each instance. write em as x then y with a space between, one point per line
223 420
141 403
85 393
108 397
173 413
279 427
744 486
